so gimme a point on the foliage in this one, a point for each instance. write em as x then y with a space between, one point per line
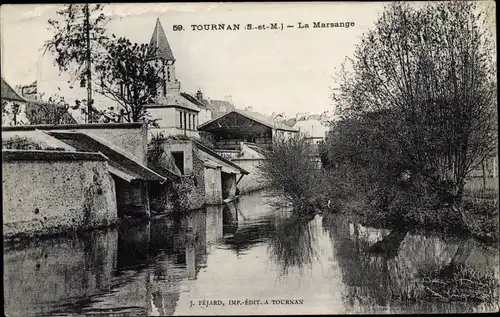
291 244
10 111
460 284
69 40
129 75
290 173
25 143
173 195
52 111
419 110
78 39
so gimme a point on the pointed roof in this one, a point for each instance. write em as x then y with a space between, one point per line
159 40
10 94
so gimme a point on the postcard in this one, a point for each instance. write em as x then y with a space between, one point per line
247 158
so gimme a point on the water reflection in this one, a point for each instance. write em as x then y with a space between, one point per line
292 244
389 282
235 251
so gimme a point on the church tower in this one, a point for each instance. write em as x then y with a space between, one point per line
170 86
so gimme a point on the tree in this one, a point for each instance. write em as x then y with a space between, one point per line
433 68
78 38
129 75
289 172
55 110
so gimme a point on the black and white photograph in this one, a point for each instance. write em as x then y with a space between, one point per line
249 158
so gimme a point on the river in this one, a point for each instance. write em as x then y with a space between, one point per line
244 251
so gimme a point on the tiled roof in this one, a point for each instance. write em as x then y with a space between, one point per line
206 149
49 155
193 100
290 122
174 101
128 166
10 94
159 40
260 118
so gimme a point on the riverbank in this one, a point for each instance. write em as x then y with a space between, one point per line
480 219
161 265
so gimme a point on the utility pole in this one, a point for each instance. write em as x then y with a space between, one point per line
89 72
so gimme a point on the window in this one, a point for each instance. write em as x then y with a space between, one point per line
179 161
189 120
180 116
185 120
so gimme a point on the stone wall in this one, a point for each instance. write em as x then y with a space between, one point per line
47 192
252 181
197 195
184 146
168 117
213 186
131 138
132 198
172 131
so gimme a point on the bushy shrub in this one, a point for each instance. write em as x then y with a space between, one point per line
290 174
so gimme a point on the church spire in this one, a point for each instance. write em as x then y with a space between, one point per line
159 40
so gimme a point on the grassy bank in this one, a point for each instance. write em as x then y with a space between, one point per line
480 219
459 284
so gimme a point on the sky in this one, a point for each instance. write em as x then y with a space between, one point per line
286 70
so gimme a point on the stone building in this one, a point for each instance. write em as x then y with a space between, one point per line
45 192
312 129
177 112
98 160
214 177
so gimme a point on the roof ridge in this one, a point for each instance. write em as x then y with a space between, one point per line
112 147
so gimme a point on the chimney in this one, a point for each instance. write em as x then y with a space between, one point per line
199 95
228 98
